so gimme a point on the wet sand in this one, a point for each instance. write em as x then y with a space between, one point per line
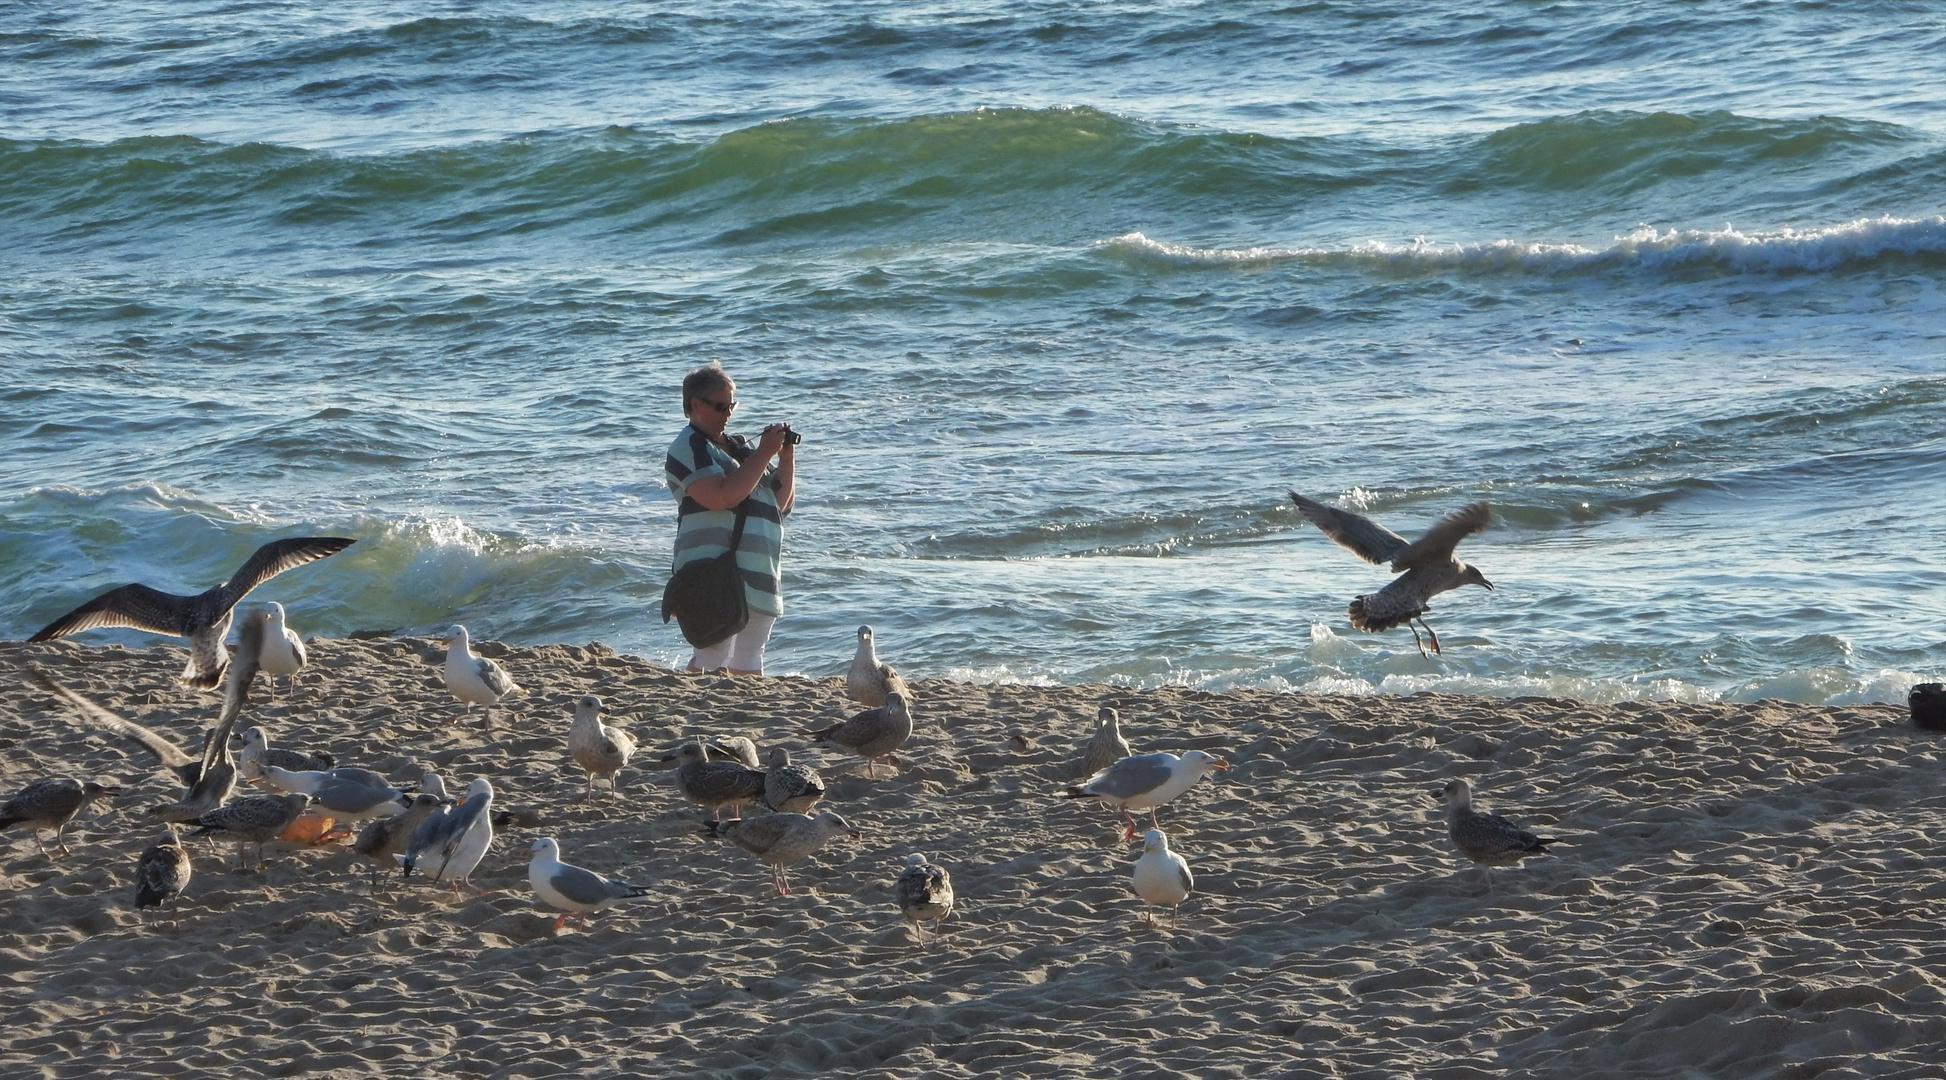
1740 891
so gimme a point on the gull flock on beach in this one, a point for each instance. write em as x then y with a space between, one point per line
415 830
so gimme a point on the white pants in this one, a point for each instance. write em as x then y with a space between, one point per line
744 652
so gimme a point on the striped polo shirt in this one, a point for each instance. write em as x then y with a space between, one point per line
704 534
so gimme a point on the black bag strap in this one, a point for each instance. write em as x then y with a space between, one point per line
736 534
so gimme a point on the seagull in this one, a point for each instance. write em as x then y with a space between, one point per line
869 681
257 753
261 818
212 777
204 618
474 680
347 794
716 784
384 839
162 872
788 787
451 845
1144 782
576 891
1161 876
872 734
283 651
1487 839
50 804
784 838
597 748
730 748
1106 746
924 891
1426 566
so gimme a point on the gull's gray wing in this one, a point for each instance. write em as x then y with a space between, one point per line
1356 533
1436 547
172 756
1132 776
587 887
136 606
276 557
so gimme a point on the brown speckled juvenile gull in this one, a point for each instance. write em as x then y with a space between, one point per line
1487 839
162 872
600 750
872 734
784 838
791 787
869 680
204 618
384 839
1428 565
924 890
51 804
1106 746
716 784
259 818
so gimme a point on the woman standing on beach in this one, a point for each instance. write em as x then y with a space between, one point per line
713 475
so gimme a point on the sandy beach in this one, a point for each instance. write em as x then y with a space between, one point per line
1740 891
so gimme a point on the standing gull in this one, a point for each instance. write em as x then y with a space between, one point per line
1426 566
872 734
346 794
474 680
450 846
1106 746
50 804
716 784
204 618
1144 782
925 891
789 787
257 753
261 818
785 838
211 777
869 681
576 891
384 839
283 652
597 748
1487 839
1161 876
162 872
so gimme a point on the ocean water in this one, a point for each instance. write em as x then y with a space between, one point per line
1064 297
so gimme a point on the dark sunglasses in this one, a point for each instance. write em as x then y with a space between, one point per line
725 407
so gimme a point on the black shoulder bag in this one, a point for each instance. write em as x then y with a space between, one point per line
706 596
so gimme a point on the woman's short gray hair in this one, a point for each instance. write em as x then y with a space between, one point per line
707 379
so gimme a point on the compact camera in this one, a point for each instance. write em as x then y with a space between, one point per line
791 438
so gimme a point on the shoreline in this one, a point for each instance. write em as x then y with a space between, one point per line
1740 887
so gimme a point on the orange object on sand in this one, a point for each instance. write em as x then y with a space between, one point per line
312 829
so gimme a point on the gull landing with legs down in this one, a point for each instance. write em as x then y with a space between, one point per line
1426 566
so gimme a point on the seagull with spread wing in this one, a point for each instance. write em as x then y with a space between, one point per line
1426 566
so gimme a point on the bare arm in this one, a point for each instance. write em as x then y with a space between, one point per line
724 492
786 478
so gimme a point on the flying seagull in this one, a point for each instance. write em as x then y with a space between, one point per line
204 618
1426 566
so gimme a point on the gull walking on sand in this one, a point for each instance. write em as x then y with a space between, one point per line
50 804
716 784
283 651
449 846
204 618
924 890
1144 782
577 892
1106 746
872 734
791 787
1488 839
257 753
599 749
347 794
259 818
162 872
384 839
475 680
1161 876
210 777
779 839
869 681
1427 564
